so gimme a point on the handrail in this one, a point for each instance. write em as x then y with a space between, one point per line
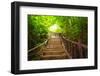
75 43
38 46
69 56
76 49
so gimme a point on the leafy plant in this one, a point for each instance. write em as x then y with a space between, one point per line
72 27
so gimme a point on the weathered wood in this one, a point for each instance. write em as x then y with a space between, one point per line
84 46
55 49
58 47
76 49
38 46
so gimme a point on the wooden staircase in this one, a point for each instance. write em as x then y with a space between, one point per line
53 50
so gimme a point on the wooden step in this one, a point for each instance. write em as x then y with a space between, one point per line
54 46
52 52
53 49
62 56
54 42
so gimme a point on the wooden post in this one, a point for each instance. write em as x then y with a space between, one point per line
80 48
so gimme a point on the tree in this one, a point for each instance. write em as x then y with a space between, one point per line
72 27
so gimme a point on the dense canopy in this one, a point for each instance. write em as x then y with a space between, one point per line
71 27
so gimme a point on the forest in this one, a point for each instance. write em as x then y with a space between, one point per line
57 37
71 27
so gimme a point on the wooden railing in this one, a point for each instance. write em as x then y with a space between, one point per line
75 49
34 52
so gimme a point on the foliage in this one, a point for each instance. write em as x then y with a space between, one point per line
72 27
